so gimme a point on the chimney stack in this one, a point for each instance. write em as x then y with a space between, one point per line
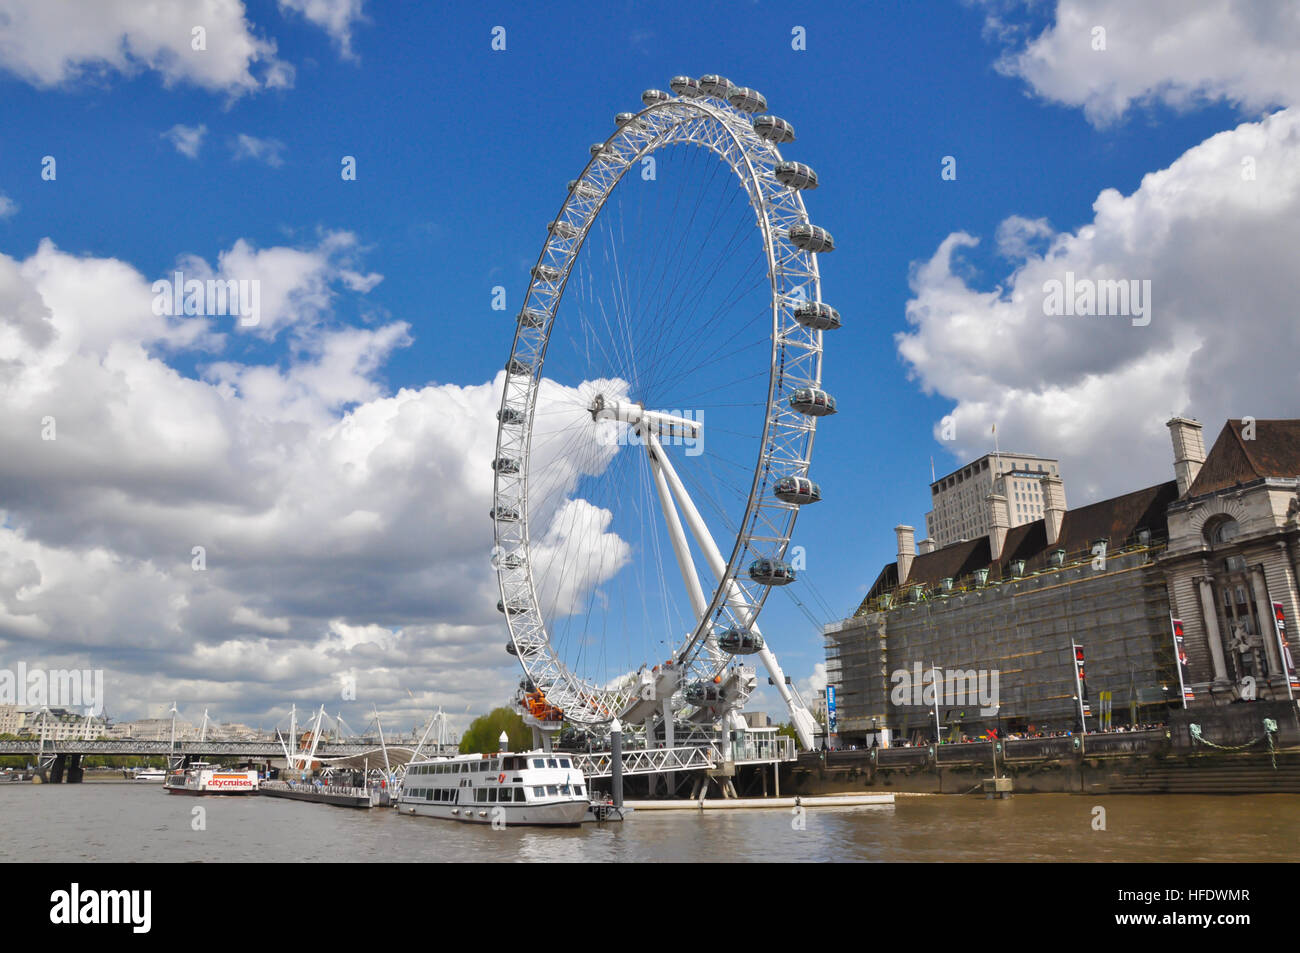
1053 508
925 546
999 520
906 551
1189 450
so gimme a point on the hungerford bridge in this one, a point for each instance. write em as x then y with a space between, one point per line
61 761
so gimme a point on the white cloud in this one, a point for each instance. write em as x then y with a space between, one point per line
49 44
187 139
335 17
7 206
344 528
270 151
1160 50
1218 249
297 287
814 683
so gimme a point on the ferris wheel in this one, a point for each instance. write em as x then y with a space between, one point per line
657 416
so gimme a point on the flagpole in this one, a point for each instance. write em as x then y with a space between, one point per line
938 732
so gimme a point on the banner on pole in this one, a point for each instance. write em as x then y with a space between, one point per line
1288 663
1083 681
1184 673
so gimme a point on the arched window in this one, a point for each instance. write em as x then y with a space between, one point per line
1222 530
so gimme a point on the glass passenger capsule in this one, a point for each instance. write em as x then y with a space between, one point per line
518 368
703 693
505 465
532 318
512 561
747 100
562 229
799 490
546 273
515 607
812 402
715 85
508 415
796 175
771 572
817 315
504 514
774 129
737 641
511 650
811 238
652 96
685 86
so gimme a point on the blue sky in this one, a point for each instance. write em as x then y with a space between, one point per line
462 154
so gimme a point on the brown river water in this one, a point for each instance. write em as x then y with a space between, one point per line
121 821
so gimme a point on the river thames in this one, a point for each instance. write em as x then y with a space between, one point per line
120 821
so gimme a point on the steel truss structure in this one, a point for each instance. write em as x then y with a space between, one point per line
794 365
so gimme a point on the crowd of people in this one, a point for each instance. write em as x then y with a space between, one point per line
1028 733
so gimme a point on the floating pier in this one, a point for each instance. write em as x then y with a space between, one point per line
760 803
337 796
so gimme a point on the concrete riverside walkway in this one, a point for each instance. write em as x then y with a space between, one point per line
758 803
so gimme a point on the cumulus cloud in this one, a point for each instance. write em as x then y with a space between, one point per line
50 44
270 151
335 17
296 287
249 536
7 206
187 139
1214 234
1158 51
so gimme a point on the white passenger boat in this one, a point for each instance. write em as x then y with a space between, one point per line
202 778
534 788
152 775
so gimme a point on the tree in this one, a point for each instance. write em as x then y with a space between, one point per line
485 730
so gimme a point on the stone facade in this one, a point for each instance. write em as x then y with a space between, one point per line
958 509
1216 548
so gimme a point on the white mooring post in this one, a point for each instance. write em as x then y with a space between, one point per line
616 762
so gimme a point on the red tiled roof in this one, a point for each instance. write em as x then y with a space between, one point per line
1117 519
1233 460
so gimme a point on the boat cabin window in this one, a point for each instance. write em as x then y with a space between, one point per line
539 792
552 790
519 795
577 789
539 763
564 762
